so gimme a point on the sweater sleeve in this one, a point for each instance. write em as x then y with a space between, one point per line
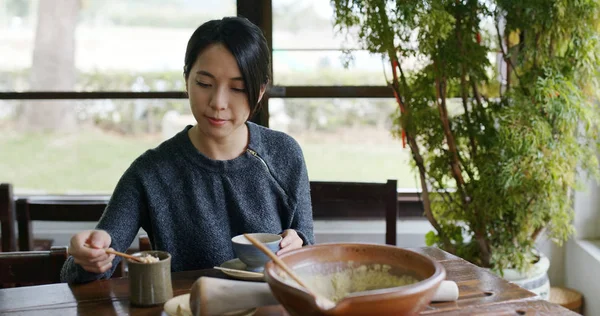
302 220
121 220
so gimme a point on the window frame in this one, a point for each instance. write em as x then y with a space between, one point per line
260 13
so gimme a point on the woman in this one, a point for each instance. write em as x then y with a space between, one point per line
222 177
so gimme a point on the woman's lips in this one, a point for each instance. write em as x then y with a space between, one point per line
215 121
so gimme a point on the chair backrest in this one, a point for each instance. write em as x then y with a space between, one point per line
7 218
24 268
346 198
63 209
144 243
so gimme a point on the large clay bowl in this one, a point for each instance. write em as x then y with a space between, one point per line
401 300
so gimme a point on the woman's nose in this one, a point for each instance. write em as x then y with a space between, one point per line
220 99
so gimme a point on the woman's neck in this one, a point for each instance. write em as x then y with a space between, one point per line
220 149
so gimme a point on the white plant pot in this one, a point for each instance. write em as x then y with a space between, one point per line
535 280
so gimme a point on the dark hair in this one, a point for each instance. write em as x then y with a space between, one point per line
246 43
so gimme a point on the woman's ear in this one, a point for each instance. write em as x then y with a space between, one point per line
186 86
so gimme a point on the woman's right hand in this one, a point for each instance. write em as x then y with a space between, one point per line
88 248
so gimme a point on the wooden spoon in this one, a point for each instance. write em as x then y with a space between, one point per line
249 273
321 301
117 253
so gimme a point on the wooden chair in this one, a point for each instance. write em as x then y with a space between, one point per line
60 209
7 218
144 243
344 199
25 268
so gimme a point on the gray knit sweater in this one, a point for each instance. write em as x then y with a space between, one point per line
191 206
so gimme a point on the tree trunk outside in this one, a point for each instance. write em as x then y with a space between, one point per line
53 67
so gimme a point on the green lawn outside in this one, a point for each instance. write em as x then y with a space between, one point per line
93 161
87 162
361 163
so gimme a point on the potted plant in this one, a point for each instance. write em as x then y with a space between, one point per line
497 146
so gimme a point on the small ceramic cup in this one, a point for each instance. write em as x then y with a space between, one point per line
255 259
150 283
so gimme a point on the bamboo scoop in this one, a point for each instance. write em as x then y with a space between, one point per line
248 273
116 253
321 301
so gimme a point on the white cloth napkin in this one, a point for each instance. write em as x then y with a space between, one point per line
447 292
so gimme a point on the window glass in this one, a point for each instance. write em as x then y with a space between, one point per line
116 45
345 139
97 142
308 50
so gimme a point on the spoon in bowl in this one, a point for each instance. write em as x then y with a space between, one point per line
248 273
321 301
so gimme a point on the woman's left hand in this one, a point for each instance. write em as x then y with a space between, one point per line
290 241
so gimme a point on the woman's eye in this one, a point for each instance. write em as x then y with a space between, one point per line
202 84
238 89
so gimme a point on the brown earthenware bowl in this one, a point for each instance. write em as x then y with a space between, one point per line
324 258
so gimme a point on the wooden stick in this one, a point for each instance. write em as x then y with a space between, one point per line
240 271
117 253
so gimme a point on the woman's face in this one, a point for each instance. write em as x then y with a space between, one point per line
217 93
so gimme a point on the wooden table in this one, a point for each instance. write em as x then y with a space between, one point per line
481 292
